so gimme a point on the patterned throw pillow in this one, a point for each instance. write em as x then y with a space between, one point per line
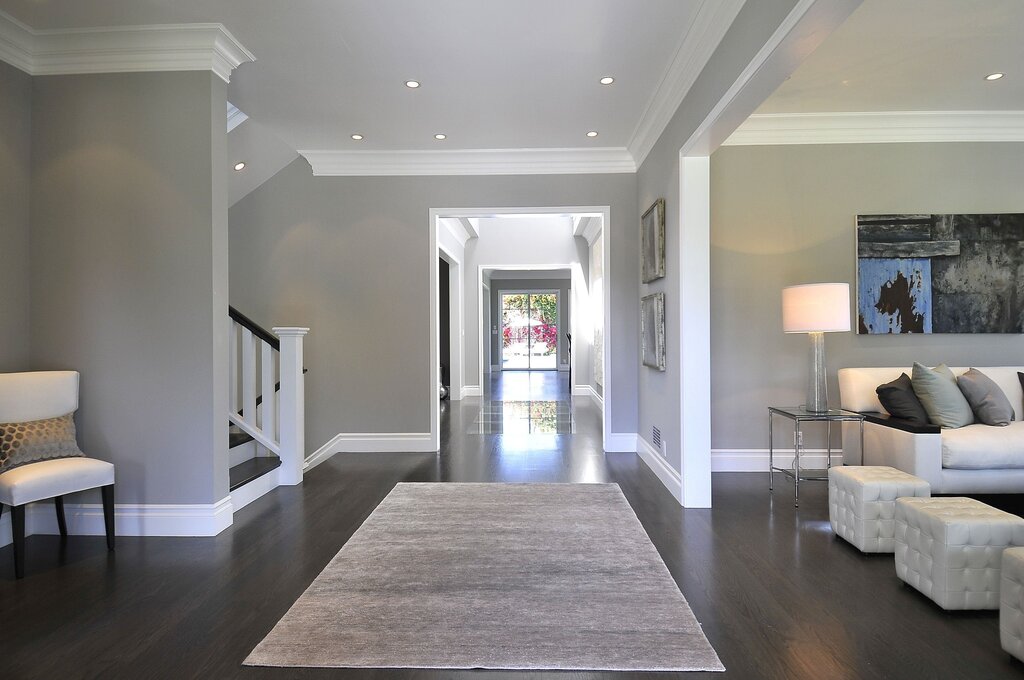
31 442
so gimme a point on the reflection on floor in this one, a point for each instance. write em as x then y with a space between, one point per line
525 403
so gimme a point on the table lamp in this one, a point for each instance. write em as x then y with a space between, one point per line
816 309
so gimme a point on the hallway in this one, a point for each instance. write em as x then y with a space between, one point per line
776 593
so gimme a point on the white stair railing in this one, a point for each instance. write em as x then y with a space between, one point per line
275 418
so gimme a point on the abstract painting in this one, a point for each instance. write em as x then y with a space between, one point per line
940 273
652 242
652 331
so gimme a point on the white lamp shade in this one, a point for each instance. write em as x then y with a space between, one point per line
816 307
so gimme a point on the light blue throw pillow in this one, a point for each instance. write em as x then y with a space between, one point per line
945 404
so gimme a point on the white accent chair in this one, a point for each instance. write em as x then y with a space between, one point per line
32 396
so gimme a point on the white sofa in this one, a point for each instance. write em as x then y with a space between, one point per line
973 459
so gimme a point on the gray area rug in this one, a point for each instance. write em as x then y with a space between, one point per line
501 576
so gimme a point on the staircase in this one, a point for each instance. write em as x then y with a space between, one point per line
266 416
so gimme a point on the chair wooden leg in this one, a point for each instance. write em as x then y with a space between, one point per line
58 504
18 529
108 513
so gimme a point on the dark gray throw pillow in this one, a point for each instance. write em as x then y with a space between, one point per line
899 400
987 400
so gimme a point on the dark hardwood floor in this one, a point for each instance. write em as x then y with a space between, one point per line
777 594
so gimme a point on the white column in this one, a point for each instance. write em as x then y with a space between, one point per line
694 324
292 420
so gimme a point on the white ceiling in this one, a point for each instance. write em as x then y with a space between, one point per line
495 75
913 55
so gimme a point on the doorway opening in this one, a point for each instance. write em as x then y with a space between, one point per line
507 313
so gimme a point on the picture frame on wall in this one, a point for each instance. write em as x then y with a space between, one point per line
652 242
652 331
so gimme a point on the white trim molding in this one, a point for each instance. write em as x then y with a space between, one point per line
879 127
620 442
257 488
712 20
121 49
756 460
343 163
472 390
371 442
661 469
86 519
589 391
235 117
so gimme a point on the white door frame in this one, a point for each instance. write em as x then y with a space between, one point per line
435 215
485 333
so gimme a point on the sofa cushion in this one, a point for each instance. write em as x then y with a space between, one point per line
988 402
946 405
898 398
983 447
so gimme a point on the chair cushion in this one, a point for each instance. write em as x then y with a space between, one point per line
37 440
49 478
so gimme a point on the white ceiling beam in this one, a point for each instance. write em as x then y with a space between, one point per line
879 127
121 49
710 23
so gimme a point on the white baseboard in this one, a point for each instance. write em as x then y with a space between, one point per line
86 519
371 442
620 442
471 391
756 460
660 467
257 488
564 368
588 391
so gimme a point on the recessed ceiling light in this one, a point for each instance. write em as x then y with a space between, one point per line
357 137
440 136
592 133
994 76
607 80
412 83
240 165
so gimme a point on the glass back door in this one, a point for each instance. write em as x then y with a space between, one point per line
529 331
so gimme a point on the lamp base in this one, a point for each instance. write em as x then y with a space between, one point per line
817 392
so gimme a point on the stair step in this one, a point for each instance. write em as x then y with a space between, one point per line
243 473
238 438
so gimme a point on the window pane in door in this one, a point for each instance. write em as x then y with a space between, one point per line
543 308
515 331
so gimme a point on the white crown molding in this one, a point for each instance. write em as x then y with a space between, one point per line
328 163
587 226
121 49
235 117
879 127
712 20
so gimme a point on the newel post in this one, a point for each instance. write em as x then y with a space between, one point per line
292 405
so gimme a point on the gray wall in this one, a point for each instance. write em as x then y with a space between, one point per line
785 215
129 272
348 257
15 168
529 285
658 177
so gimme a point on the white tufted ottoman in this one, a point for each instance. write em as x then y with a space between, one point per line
862 503
951 549
1011 602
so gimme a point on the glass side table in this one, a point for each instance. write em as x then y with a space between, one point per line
800 415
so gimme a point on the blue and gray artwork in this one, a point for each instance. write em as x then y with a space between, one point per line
894 295
940 273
